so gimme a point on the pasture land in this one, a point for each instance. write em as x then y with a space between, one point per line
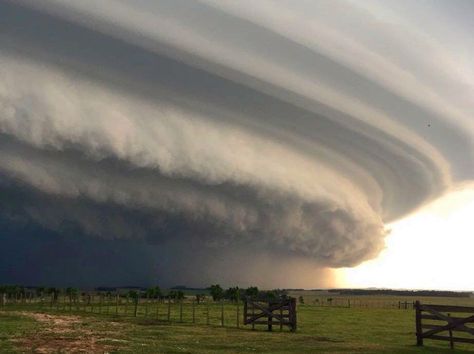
321 329
325 298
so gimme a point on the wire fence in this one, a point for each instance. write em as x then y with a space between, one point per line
216 313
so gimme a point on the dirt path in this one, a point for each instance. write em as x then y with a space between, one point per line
69 334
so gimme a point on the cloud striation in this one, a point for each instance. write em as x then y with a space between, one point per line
171 136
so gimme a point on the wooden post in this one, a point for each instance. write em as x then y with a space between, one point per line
419 337
169 309
207 312
101 297
245 312
117 299
180 310
349 303
281 318
146 306
238 314
222 313
158 309
126 305
292 307
194 312
136 300
270 318
253 314
451 342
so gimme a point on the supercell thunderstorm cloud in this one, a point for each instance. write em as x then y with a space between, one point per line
190 141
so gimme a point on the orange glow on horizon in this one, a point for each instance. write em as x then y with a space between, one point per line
431 249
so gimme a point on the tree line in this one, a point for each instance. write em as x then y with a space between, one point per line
215 291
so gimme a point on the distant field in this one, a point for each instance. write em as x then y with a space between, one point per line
321 329
320 298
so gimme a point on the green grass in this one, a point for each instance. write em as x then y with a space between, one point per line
13 327
320 330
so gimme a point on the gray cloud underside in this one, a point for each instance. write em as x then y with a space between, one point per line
236 139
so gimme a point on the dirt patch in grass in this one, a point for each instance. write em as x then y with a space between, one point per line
67 334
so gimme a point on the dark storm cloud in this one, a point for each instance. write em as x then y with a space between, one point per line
148 125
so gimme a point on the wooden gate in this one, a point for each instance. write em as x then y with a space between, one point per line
280 312
428 318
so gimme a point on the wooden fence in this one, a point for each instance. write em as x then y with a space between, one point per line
215 313
362 303
435 322
280 312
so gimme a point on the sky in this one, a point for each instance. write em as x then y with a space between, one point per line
277 143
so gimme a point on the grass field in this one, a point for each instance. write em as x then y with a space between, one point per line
26 328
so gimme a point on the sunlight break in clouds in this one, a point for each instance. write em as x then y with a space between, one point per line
424 251
289 130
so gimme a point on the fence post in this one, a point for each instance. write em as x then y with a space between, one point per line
451 342
253 315
238 314
158 309
181 310
222 313
194 312
293 314
419 336
270 318
101 297
281 317
207 312
169 309
135 310
117 299
146 306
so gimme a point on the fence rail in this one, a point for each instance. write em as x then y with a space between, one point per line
216 313
442 324
280 312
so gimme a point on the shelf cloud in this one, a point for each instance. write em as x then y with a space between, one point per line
224 136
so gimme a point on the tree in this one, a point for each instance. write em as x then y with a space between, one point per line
54 292
133 294
176 295
252 292
200 297
154 293
232 294
40 290
216 292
